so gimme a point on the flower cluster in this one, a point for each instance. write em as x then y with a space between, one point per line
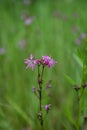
45 61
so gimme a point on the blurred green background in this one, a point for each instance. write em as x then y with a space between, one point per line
42 27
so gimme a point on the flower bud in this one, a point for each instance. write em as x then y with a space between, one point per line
76 87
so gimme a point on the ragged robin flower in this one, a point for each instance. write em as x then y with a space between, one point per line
30 62
45 61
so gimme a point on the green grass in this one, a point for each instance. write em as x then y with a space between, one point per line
47 35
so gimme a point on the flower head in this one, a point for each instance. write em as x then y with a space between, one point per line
30 62
26 2
29 20
57 13
37 61
75 15
83 36
84 85
75 29
47 107
64 17
2 51
77 41
22 44
46 60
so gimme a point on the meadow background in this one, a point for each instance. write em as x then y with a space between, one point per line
42 27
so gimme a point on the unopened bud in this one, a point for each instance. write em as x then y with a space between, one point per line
47 107
76 87
84 85
39 115
33 89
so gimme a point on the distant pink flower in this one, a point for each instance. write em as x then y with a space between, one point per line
47 107
57 13
64 17
26 2
30 62
75 29
2 51
77 41
22 44
29 20
46 60
83 36
75 15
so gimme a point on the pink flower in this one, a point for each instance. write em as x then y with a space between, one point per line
29 20
46 60
47 107
30 62
83 36
26 2
22 44
37 61
2 51
77 41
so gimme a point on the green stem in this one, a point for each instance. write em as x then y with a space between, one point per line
78 118
79 109
40 95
